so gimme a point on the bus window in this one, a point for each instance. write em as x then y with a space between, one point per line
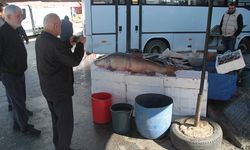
219 3
243 3
103 1
200 2
122 2
135 2
157 1
179 2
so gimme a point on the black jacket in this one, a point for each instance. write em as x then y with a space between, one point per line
13 54
54 64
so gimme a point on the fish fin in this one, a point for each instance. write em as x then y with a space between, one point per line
111 69
150 73
171 74
131 72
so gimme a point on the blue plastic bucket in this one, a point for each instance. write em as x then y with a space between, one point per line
153 114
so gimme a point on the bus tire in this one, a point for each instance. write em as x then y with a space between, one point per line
245 46
156 46
183 142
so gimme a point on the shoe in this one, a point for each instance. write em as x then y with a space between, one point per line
16 127
31 131
29 113
9 107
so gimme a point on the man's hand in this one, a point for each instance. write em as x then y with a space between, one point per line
74 39
82 39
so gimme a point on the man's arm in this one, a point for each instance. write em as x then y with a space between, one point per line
1 52
240 25
64 55
1 47
221 24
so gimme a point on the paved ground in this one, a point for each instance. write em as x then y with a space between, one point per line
87 135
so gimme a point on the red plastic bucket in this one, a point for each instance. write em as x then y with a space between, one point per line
101 103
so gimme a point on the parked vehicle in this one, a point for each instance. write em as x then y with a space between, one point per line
34 13
30 25
154 25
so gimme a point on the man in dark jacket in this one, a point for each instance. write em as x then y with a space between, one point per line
54 64
66 29
26 38
13 64
230 27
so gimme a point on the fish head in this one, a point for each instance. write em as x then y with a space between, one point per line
99 62
103 62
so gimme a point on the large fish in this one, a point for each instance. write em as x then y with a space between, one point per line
134 64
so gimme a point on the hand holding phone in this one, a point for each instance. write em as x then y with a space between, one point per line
82 39
76 38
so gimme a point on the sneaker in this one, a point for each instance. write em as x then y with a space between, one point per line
29 113
9 107
31 131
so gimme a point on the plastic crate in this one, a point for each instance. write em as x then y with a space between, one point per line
231 65
221 86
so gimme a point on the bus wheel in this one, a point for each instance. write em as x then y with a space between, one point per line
156 46
245 46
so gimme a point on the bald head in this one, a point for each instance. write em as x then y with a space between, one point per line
52 24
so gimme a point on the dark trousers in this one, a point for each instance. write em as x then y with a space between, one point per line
7 95
229 43
8 99
16 93
62 121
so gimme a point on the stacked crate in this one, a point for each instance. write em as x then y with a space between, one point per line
125 87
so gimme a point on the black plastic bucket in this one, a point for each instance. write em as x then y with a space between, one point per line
121 117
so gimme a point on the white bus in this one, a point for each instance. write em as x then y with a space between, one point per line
154 25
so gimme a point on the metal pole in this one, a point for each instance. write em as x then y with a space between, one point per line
204 64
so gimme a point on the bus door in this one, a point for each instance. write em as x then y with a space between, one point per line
128 25
121 26
111 25
134 25
101 30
